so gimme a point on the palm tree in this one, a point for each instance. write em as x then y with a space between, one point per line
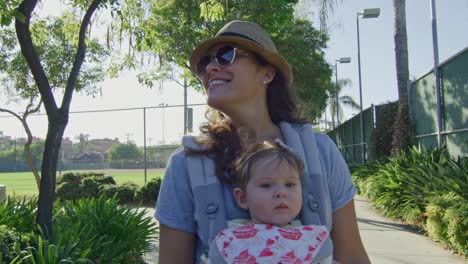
401 50
343 100
82 139
307 9
402 128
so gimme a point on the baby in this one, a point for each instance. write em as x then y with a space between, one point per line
268 185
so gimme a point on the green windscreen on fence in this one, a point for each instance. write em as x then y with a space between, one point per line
457 143
348 137
454 106
423 105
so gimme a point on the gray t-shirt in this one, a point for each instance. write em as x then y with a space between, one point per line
175 206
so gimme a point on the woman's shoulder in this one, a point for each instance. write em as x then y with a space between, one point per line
177 162
179 152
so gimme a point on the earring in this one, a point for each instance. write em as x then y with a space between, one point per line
265 81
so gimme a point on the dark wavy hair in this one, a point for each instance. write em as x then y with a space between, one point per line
222 141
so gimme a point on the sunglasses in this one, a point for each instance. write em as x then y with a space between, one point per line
224 56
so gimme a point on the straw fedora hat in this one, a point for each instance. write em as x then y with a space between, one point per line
248 35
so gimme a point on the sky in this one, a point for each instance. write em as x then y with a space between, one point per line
377 71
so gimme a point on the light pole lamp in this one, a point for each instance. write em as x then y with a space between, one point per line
341 60
366 13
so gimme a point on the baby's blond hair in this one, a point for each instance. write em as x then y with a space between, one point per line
259 151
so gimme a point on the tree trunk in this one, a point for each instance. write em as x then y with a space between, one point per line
27 154
49 170
401 50
402 129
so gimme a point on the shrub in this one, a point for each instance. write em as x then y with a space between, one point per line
82 185
435 210
456 217
402 130
12 242
109 233
19 214
89 188
108 191
126 192
400 187
447 221
17 222
149 193
45 252
360 175
426 188
68 191
382 135
70 177
85 231
105 180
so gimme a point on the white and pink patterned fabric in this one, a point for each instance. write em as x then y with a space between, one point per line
259 243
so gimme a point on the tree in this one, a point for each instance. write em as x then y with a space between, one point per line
53 44
402 130
46 81
401 50
82 140
173 28
343 100
126 154
324 7
17 84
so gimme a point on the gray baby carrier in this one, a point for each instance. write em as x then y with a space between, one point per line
210 213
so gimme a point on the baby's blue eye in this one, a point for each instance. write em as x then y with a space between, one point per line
290 184
265 185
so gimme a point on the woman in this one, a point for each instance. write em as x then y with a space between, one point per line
248 84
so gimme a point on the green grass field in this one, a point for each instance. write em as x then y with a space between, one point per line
23 183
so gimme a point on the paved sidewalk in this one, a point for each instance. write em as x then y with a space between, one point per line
388 242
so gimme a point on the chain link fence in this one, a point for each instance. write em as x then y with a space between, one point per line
132 138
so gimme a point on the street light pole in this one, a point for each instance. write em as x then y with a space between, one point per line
366 13
435 47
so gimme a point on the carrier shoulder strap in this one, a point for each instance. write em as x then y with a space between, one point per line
316 206
207 193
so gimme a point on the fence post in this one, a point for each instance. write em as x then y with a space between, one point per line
2 193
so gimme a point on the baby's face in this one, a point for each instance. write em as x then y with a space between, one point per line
274 193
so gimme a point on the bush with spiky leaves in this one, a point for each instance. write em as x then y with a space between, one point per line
402 130
426 188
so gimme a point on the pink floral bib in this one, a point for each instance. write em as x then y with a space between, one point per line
258 243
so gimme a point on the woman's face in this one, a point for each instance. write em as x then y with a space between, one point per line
237 84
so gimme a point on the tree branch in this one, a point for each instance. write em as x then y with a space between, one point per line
79 58
27 49
27 144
